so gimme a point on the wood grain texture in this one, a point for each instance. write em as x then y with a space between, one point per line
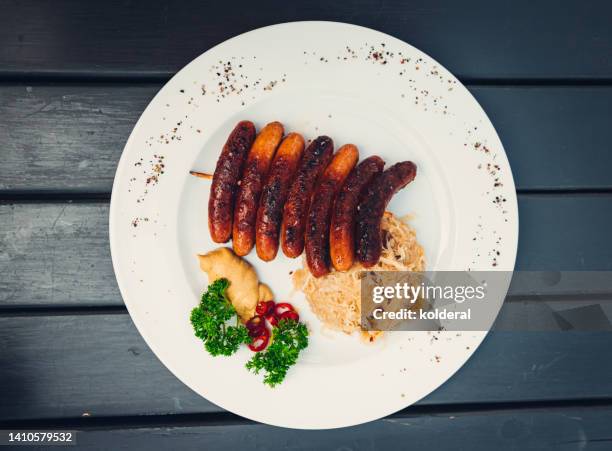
66 137
58 254
525 430
474 39
555 137
67 366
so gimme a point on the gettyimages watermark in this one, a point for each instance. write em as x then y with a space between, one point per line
486 300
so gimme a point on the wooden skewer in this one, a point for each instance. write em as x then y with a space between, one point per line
202 175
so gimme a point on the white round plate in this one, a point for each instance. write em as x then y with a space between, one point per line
356 85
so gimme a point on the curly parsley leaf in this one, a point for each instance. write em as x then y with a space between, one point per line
288 339
209 321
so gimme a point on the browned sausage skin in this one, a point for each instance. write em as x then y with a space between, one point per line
342 229
225 181
319 216
372 207
253 177
274 195
315 159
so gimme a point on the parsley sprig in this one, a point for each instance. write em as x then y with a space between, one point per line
209 321
288 339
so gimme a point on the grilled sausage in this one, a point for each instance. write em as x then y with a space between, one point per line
372 207
342 229
319 216
225 181
253 177
315 159
274 194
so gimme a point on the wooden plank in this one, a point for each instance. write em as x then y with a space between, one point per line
471 38
98 365
66 137
555 429
564 233
77 365
58 254
555 137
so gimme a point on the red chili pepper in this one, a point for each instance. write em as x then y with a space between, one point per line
283 307
260 343
272 319
290 314
264 307
255 322
257 331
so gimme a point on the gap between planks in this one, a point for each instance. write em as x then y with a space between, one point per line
148 77
61 310
93 309
228 418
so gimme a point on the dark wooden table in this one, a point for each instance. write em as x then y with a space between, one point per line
74 78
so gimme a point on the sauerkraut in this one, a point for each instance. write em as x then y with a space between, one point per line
336 297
